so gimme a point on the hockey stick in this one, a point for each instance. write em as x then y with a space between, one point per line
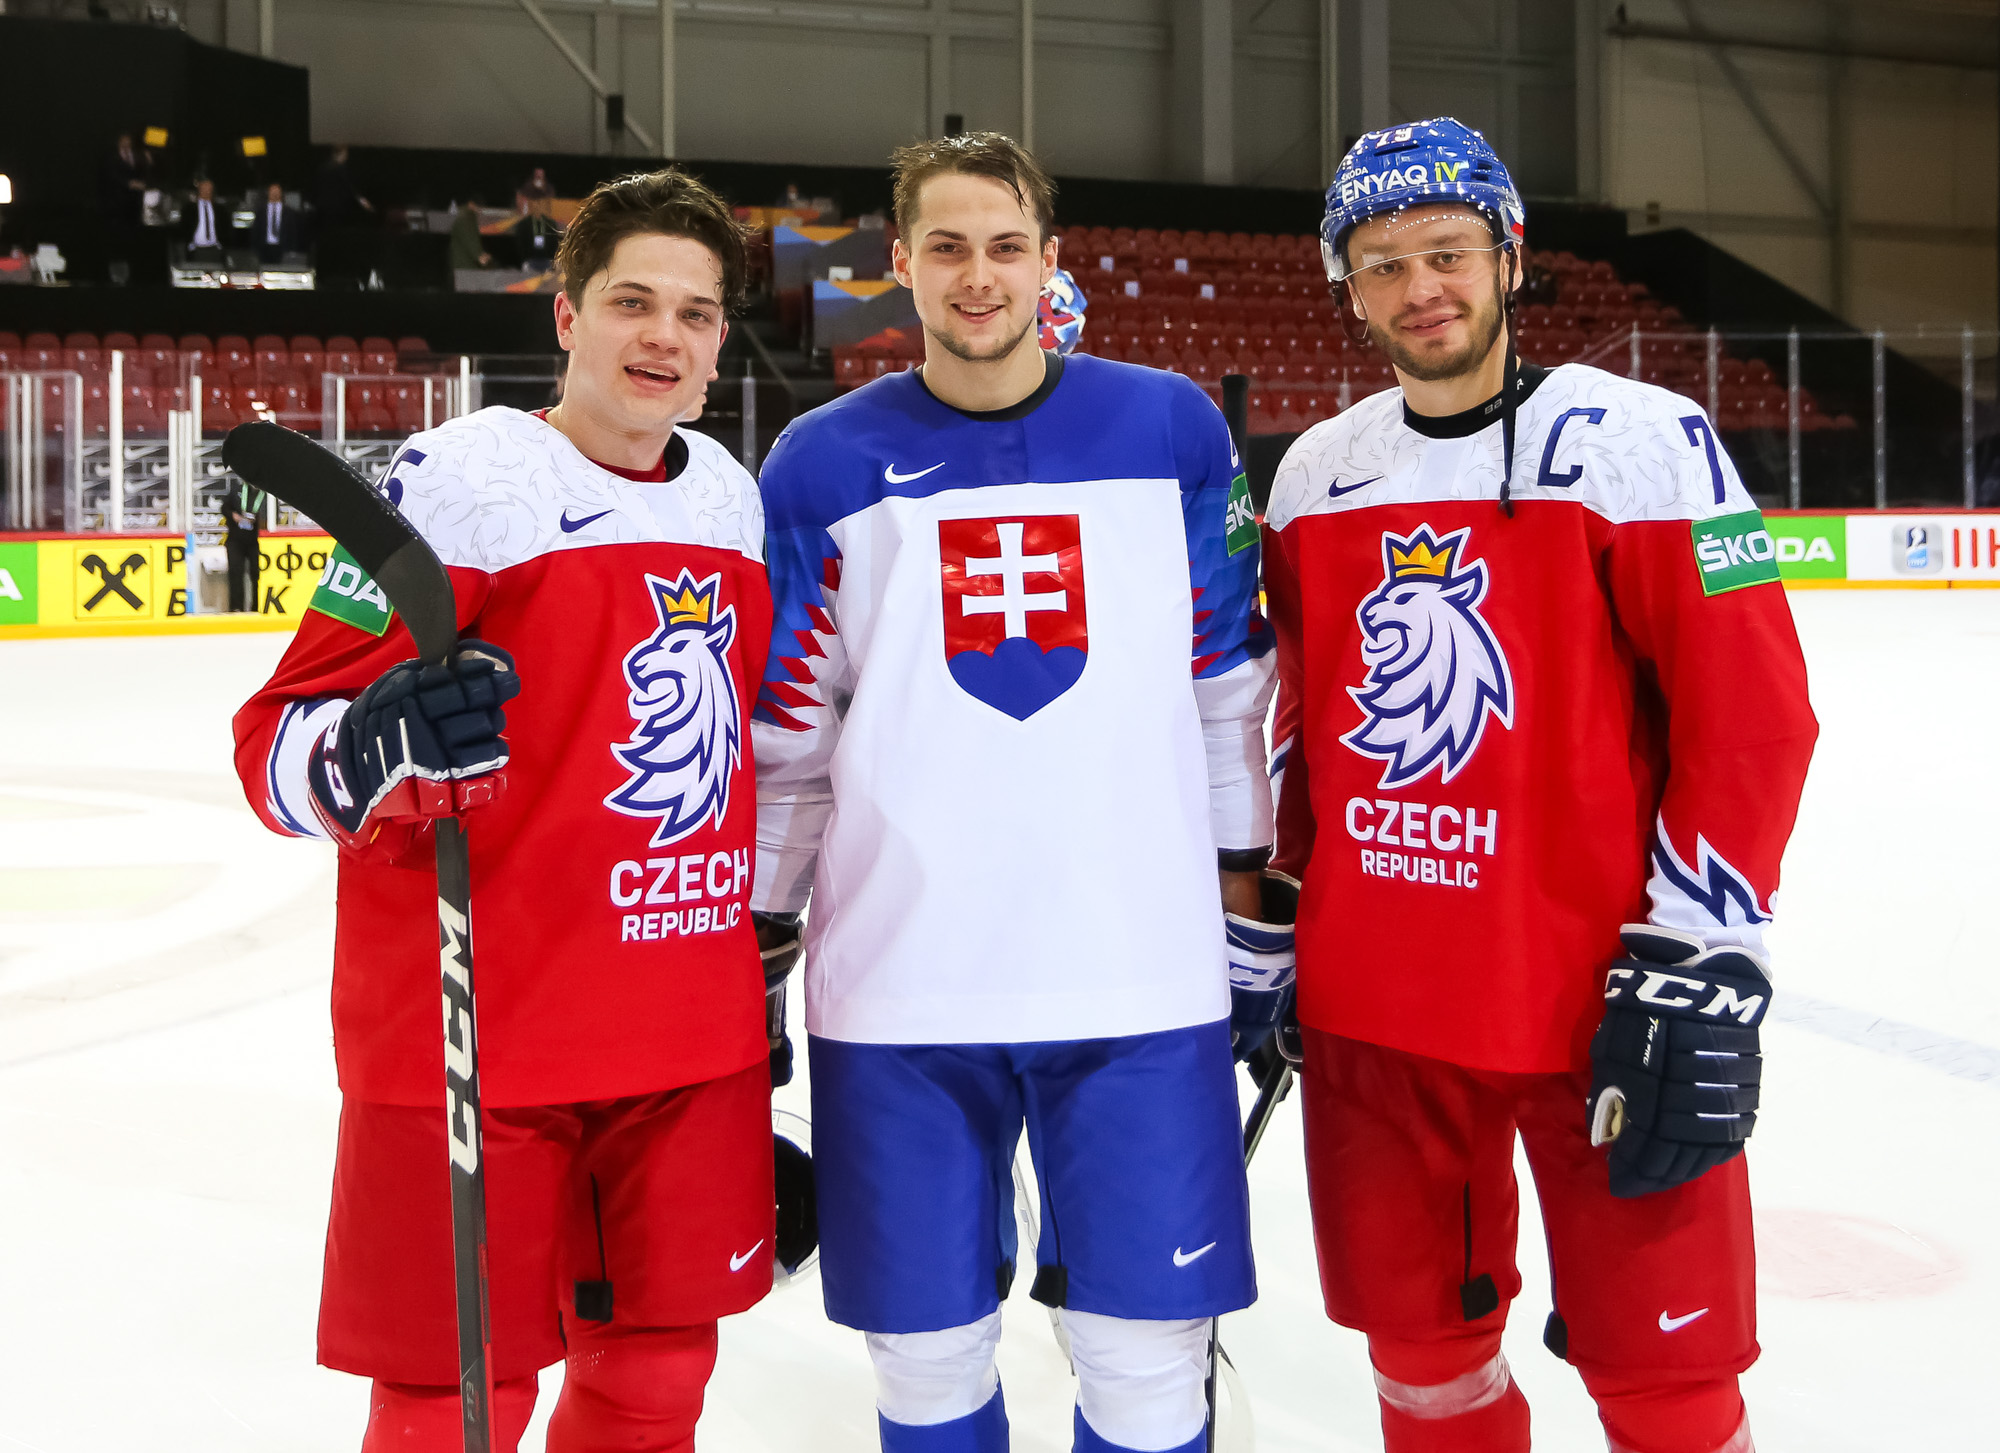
328 491
1271 1092
1235 413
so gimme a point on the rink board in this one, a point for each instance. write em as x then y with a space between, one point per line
137 584
113 585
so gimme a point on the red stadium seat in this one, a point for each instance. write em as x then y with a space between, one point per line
378 360
96 408
412 344
144 418
289 401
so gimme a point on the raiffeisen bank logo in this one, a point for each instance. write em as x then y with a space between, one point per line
689 734
1436 673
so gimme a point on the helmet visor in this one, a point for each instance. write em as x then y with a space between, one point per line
1383 276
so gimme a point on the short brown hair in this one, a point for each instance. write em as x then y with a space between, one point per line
668 202
972 154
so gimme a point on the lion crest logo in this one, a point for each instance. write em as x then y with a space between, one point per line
689 737
1435 672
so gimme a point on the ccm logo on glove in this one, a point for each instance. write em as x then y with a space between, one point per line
1677 991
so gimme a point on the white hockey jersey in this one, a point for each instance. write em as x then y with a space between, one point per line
1014 705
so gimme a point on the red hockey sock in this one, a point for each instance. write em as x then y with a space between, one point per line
627 1389
405 1417
1450 1397
1653 1412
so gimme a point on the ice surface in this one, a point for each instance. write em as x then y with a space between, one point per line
167 1106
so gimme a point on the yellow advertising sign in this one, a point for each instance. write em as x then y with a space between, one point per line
136 584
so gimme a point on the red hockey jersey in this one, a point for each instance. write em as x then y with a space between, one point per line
611 881
1500 738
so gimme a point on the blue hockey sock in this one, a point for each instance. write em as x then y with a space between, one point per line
983 1431
1089 1440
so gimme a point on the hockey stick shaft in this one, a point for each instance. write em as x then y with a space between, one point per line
463 1132
1270 1095
327 490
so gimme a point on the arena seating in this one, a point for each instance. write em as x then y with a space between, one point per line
238 377
1210 303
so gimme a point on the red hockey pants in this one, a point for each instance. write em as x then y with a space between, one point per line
1410 1164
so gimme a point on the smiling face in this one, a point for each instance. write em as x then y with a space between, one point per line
975 261
1430 287
643 334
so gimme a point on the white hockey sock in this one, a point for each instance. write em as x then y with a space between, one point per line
1140 1383
935 1377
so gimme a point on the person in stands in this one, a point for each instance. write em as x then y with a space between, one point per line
206 229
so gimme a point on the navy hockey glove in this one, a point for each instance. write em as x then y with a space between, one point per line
781 941
1675 1065
1262 964
421 742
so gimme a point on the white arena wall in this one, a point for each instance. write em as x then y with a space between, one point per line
1873 190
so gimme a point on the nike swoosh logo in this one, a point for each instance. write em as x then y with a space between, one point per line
1182 1258
1674 1324
895 478
570 526
737 1263
1337 489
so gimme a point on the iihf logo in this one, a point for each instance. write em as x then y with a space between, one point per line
1435 671
689 736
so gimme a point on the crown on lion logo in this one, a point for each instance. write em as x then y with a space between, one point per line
1420 559
687 603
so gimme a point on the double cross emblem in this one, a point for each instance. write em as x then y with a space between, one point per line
114 579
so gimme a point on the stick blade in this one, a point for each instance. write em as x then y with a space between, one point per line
331 493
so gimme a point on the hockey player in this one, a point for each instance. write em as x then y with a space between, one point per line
1010 732
1538 682
615 564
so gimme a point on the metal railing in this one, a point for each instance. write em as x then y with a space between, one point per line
1926 416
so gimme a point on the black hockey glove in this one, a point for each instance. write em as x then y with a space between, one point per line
420 742
1263 961
1675 1065
781 940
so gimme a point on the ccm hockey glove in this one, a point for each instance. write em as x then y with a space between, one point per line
421 742
1675 1066
1262 964
781 941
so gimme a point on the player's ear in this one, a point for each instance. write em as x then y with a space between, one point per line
1050 248
899 262
565 321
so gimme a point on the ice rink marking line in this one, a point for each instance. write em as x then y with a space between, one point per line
1962 1059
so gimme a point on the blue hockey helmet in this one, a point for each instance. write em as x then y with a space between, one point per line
1439 160
1062 309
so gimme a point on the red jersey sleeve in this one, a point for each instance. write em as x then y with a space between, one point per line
1713 633
1290 779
